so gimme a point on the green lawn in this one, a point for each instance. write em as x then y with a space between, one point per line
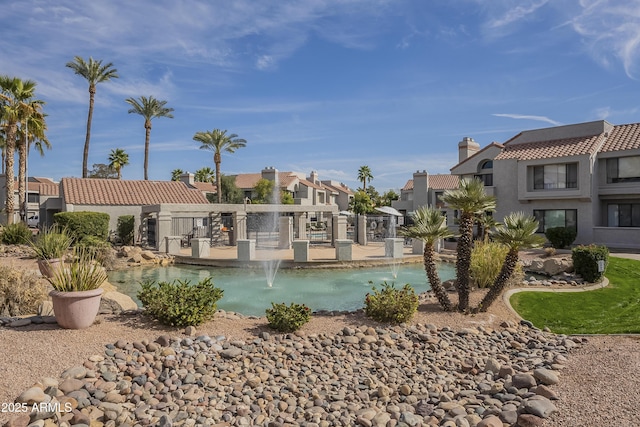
611 310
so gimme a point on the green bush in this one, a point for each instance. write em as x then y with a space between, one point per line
585 261
560 237
83 224
125 228
100 250
486 262
51 243
391 304
21 292
178 303
16 234
288 318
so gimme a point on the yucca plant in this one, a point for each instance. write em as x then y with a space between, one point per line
81 273
52 243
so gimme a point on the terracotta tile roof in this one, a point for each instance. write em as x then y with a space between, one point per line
550 149
437 182
49 189
623 137
249 180
204 186
92 191
479 153
311 184
337 188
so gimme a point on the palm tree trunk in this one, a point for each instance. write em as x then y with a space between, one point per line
434 279
463 261
9 173
499 284
22 170
85 154
147 137
217 159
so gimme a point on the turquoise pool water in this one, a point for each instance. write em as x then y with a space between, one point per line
246 290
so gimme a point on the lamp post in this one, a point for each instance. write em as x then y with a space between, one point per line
26 174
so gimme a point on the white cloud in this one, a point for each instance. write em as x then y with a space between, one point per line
530 117
516 11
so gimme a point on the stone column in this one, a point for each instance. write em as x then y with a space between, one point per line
393 247
344 250
246 250
285 232
200 247
339 227
239 226
301 223
362 229
417 246
173 244
163 228
301 251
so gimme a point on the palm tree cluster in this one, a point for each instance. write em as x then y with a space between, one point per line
429 225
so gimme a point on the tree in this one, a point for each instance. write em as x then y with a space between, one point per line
31 131
3 147
264 191
286 198
361 203
429 225
101 170
175 174
230 193
386 198
364 174
517 232
117 160
15 95
471 200
218 141
149 108
205 174
94 72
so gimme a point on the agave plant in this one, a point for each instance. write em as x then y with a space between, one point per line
81 273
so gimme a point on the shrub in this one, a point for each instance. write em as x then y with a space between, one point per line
549 252
560 237
81 273
288 318
125 228
16 234
82 224
20 292
585 261
178 303
487 258
390 304
51 243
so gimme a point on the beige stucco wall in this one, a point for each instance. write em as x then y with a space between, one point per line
113 211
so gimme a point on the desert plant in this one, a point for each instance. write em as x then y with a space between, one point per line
21 292
51 243
124 229
549 252
16 234
289 318
178 303
560 237
486 262
585 261
81 273
390 304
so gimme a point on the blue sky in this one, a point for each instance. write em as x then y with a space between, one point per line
326 85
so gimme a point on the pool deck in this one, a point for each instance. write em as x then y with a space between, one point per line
320 256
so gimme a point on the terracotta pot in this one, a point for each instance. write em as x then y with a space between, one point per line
76 310
48 267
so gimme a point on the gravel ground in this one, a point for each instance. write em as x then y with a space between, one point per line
597 388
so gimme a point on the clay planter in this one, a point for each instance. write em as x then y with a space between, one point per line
48 267
76 310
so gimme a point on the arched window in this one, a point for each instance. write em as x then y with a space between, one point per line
485 173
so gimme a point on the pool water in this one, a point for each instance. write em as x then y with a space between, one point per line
246 290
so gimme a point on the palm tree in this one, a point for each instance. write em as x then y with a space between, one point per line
3 145
364 174
14 97
117 160
31 132
205 174
149 108
175 174
517 232
218 141
94 72
471 200
429 225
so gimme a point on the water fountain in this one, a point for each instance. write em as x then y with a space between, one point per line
393 246
272 263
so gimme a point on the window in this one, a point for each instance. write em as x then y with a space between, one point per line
439 202
33 197
487 179
623 169
623 215
487 165
551 218
552 177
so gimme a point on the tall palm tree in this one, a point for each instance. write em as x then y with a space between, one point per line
218 141
31 131
149 108
117 160
3 145
14 101
471 200
429 225
94 72
205 174
175 174
517 232
364 174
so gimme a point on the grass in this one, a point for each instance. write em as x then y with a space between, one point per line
611 310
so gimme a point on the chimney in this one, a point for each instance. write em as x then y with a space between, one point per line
420 188
269 173
188 178
467 148
313 177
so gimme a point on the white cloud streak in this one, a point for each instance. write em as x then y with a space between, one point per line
530 117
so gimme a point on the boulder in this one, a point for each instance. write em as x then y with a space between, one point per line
554 266
116 302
